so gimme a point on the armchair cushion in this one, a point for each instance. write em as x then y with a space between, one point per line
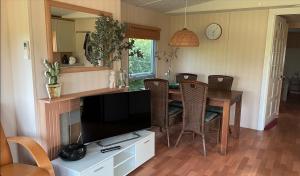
215 109
210 116
174 110
176 104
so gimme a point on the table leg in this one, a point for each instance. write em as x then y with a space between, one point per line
225 126
237 118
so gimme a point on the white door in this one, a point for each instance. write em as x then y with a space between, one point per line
277 66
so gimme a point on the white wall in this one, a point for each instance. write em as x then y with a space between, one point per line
8 114
22 76
239 53
292 62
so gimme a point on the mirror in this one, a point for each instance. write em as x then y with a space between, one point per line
70 31
68 28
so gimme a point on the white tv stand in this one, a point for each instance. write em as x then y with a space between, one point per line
115 163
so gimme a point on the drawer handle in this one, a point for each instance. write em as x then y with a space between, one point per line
146 141
98 169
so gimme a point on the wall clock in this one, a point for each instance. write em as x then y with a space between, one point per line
213 31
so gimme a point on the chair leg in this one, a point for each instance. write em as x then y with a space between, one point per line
204 145
218 133
218 138
194 134
180 135
168 137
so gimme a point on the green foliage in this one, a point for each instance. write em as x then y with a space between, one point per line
108 41
52 72
141 65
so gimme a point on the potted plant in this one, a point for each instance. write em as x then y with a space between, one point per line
108 42
52 73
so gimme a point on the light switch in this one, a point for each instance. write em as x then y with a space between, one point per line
26 50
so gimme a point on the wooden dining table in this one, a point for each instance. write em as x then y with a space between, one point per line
222 99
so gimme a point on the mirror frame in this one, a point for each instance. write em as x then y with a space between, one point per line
52 3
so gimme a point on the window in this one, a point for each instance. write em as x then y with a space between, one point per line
141 68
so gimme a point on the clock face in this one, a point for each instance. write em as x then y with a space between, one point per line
213 31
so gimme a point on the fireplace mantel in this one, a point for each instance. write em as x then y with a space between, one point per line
50 111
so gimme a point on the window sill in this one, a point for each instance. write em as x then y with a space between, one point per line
142 76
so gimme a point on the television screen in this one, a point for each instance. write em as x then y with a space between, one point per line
108 115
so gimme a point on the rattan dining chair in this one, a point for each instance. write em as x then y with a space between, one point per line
185 76
195 117
162 115
220 82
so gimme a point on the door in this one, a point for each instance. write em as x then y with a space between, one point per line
277 66
65 36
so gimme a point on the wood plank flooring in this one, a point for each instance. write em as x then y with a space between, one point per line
273 152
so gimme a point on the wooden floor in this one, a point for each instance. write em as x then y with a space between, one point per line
272 152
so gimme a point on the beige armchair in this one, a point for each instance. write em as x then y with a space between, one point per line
8 168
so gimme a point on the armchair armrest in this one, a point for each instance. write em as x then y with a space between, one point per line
36 151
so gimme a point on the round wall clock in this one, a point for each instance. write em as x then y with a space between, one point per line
213 31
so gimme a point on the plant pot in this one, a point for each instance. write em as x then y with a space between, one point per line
54 91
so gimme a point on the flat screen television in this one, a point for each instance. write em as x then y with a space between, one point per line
108 115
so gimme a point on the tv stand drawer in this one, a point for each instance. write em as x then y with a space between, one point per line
145 150
104 168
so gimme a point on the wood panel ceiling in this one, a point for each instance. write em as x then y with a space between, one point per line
164 5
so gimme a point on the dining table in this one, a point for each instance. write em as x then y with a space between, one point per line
224 99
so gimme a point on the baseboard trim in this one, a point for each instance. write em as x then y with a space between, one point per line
270 125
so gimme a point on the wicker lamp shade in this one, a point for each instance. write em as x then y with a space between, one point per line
184 38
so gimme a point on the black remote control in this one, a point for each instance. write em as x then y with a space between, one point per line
110 149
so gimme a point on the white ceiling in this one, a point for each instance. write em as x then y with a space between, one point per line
163 5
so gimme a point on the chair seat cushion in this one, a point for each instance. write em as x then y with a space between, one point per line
174 86
177 104
215 109
22 169
173 110
210 116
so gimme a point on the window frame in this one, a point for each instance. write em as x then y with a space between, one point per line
145 75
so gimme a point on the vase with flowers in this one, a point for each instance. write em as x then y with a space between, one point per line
167 56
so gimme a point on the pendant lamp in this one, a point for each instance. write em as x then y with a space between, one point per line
184 37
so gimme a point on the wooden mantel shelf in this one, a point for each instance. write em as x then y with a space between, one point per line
50 113
82 94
